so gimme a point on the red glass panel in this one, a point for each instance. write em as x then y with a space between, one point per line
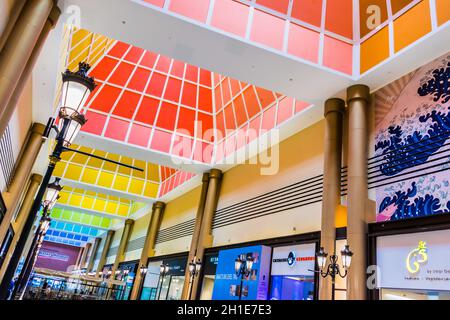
139 79
267 30
139 135
205 126
167 116
161 141
182 146
224 10
239 108
229 117
106 98
177 69
205 99
309 11
338 55
197 10
218 97
266 97
251 101
149 59
268 119
303 43
300 106
339 17
156 85
277 5
118 50
134 54
103 68
122 74
158 3
220 125
285 108
235 87
205 77
173 90
163 64
127 105
147 110
189 97
117 129
226 94
186 120
95 124
191 73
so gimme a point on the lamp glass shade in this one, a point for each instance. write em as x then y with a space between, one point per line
321 258
74 96
166 269
191 267
198 267
52 194
162 268
237 265
74 126
346 256
249 264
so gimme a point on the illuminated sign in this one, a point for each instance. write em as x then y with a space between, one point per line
417 257
293 260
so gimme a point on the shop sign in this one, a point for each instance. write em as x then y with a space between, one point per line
295 260
414 261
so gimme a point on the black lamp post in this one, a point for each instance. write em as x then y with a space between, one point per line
76 89
243 267
163 270
194 271
333 269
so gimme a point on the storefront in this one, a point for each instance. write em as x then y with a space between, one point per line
166 284
280 270
410 259
127 274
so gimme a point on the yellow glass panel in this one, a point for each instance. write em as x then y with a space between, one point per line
151 190
412 25
91 193
125 170
121 183
79 158
375 50
73 172
59 169
90 175
142 165
443 11
111 166
136 186
152 172
64 197
75 200
111 207
88 202
124 210
105 179
99 205
78 190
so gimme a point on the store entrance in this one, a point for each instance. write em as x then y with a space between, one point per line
398 294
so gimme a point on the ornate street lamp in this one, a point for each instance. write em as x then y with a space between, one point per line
163 271
194 271
243 267
77 87
143 270
333 269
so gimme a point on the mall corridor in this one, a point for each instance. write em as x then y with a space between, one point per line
224 150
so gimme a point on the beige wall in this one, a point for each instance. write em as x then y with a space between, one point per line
115 243
139 230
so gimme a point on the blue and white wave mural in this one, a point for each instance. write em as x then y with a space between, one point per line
413 140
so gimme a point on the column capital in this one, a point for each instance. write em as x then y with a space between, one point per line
98 239
205 177
54 15
358 92
215 174
129 221
38 128
36 178
334 105
158 205
111 232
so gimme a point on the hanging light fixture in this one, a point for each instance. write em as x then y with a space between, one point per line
73 124
346 256
321 258
77 86
52 194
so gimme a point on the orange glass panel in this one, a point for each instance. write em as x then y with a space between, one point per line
167 116
122 74
235 87
117 129
223 10
191 73
134 54
368 9
156 85
269 119
309 11
158 3
266 97
139 135
285 108
205 77
182 146
412 25
251 101
443 11
139 79
173 90
189 96
277 5
339 17
220 124
103 68
239 109
149 59
95 124
163 64
204 125
161 141
177 69
226 94
338 55
375 49
300 106
197 10
127 105
229 117
147 110
118 50
218 98
205 99
106 98
267 30
186 120
303 43
398 5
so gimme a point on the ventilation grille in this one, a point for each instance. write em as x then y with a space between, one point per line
112 251
6 156
180 230
136 244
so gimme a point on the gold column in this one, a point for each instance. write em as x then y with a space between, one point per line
48 26
195 235
105 250
27 203
149 246
94 251
22 171
358 98
120 256
84 256
19 46
334 112
15 12
205 239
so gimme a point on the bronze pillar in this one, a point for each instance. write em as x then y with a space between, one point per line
19 46
93 254
12 18
334 113
205 239
358 98
84 256
195 236
22 171
27 203
106 246
48 26
149 245
120 256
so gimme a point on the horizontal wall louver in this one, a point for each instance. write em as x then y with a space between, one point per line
177 231
136 244
112 251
